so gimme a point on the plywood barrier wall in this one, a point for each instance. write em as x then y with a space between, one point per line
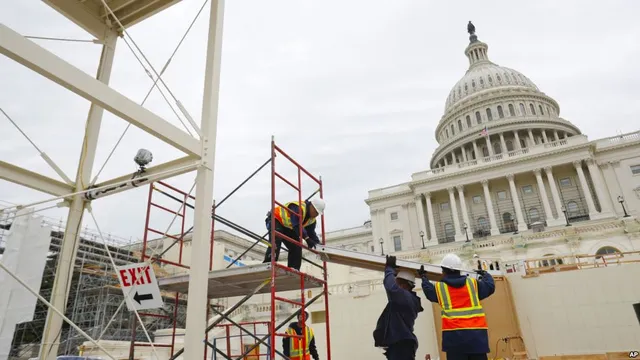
501 318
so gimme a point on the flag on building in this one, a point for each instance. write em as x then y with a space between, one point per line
484 132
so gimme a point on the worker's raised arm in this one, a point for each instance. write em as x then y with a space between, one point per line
427 287
310 231
486 285
389 282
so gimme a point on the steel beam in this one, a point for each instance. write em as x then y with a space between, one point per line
81 16
69 249
38 59
169 169
30 179
199 271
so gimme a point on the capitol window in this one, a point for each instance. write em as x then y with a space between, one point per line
453 130
489 114
444 206
534 215
460 125
500 112
522 110
635 169
533 109
490 79
512 111
502 195
478 117
397 243
540 107
527 189
393 216
565 182
468 121
477 199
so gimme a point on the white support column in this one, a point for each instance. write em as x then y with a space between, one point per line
542 192
554 192
503 143
420 212
489 147
454 214
544 136
464 154
606 208
475 150
199 272
517 139
555 135
585 189
432 223
463 206
487 200
532 141
51 335
522 225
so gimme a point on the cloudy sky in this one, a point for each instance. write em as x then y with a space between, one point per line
352 89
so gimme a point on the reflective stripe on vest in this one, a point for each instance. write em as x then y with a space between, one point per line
461 307
284 216
295 347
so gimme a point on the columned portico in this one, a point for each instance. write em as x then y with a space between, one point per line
554 192
463 206
606 209
433 236
593 213
542 192
492 216
454 214
522 225
420 210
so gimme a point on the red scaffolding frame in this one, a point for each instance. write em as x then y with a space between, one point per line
276 269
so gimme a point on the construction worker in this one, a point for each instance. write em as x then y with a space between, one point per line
292 346
394 330
464 326
287 223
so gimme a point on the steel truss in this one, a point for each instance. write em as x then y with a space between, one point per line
272 277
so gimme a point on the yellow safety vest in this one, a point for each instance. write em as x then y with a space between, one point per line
461 308
284 216
295 348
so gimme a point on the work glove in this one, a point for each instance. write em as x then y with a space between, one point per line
311 244
391 261
481 272
422 272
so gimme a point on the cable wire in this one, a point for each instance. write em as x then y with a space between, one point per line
164 68
124 30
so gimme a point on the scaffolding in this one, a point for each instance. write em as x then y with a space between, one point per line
267 278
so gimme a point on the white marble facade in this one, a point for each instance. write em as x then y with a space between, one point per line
530 171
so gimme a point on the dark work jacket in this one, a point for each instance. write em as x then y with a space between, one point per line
471 341
399 316
286 341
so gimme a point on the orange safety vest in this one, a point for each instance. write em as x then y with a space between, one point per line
284 216
295 347
461 309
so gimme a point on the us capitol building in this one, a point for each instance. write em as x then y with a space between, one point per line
509 180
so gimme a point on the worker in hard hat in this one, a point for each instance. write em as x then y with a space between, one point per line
464 326
293 346
288 224
394 330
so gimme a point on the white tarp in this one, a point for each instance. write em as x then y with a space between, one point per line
25 254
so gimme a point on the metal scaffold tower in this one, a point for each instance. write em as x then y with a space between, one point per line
268 278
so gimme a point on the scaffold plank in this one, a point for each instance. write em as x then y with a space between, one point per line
373 262
239 281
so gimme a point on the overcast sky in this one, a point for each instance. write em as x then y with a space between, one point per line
352 89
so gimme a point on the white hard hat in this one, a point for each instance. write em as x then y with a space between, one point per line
318 204
406 275
451 261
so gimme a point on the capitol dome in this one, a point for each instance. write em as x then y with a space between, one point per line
494 110
485 76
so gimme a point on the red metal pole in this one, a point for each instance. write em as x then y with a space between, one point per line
228 341
272 326
326 283
146 223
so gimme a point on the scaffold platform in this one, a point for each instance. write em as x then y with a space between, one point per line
240 281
